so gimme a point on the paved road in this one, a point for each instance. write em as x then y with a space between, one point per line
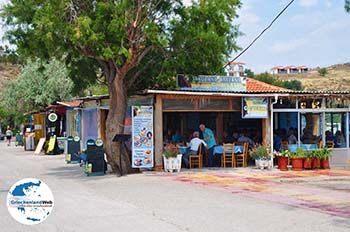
146 202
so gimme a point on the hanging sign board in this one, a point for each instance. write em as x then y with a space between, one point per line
254 107
212 83
142 137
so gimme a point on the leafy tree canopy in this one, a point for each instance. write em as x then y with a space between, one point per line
38 85
270 79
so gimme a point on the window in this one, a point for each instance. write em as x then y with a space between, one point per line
285 103
335 127
214 104
178 104
311 131
337 103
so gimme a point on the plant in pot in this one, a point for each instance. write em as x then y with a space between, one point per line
262 157
324 156
172 158
308 160
282 159
316 155
297 159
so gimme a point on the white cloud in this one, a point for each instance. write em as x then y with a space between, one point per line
308 3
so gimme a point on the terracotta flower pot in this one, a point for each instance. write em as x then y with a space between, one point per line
307 163
316 163
297 164
325 163
282 163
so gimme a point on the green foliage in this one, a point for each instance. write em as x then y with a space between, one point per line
347 5
171 151
270 79
260 152
38 85
249 72
299 153
324 153
8 55
154 44
323 72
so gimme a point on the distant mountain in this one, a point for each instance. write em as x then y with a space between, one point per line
336 78
7 72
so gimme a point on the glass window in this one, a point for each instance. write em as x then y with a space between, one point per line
311 131
178 104
285 130
285 103
335 128
337 103
214 104
310 103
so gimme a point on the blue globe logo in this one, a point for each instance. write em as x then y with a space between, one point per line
30 201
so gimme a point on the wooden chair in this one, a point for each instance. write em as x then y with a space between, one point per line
242 159
197 160
329 144
228 156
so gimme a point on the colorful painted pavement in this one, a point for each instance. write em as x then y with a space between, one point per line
297 189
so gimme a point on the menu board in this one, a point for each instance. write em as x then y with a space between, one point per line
142 137
254 107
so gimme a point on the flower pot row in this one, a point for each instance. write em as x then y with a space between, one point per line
301 159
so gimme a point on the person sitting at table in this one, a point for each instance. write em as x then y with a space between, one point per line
194 146
235 136
339 139
227 138
177 137
245 139
292 139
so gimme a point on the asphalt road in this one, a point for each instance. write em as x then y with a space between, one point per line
145 202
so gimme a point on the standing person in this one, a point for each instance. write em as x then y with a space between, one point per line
209 138
9 135
194 146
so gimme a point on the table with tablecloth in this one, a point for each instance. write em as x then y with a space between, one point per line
219 150
306 147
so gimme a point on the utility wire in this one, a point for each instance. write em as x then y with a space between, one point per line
261 33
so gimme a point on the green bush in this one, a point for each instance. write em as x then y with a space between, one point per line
323 72
260 152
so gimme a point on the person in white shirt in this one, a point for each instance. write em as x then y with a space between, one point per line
194 146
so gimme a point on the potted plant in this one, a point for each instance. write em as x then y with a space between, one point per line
282 159
325 154
316 163
308 160
297 159
172 158
262 157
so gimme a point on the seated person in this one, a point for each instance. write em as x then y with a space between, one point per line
227 138
245 139
177 137
194 146
292 139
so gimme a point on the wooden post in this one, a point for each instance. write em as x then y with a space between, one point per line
266 131
219 127
158 133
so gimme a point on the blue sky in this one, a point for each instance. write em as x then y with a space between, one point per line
311 32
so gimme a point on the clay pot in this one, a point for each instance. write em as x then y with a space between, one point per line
282 163
297 164
316 163
307 163
325 163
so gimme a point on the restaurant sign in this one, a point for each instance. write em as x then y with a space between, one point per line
142 137
254 107
212 83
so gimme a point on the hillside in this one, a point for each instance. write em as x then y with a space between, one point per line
337 78
7 72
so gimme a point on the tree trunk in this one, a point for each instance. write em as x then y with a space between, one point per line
117 154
